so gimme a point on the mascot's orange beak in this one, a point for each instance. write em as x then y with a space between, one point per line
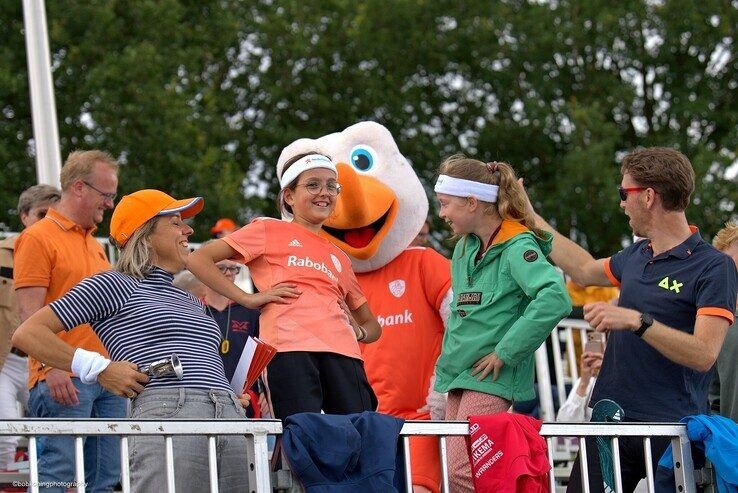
364 213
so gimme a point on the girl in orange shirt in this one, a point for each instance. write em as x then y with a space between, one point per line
313 310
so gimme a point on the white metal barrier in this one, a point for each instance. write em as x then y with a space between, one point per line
256 432
683 465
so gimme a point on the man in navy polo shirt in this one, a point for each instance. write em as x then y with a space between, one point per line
678 297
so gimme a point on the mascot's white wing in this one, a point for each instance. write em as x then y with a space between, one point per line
388 204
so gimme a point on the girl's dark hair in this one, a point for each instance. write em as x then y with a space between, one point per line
281 204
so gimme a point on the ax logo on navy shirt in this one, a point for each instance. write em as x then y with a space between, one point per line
675 285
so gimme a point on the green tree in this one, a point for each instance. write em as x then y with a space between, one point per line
200 97
143 80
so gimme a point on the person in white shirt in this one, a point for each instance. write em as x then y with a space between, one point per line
575 408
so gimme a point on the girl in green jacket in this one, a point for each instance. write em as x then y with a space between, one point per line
507 297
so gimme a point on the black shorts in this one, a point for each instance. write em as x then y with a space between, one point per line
301 381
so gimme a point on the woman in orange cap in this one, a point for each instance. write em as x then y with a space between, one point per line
141 317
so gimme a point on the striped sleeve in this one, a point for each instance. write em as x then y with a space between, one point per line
93 299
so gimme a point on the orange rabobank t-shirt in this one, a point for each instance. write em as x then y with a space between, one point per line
405 296
280 251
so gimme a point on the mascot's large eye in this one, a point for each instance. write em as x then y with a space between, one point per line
362 157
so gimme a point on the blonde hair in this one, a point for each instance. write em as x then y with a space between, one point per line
79 166
726 236
135 256
511 203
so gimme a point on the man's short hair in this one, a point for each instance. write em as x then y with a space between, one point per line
726 236
37 195
666 170
79 166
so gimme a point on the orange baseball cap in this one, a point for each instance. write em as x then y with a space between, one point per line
135 209
223 224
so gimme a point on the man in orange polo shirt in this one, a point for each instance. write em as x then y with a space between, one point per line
51 257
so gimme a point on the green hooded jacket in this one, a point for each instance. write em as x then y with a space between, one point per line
507 303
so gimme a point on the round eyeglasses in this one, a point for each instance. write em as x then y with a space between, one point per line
109 196
314 188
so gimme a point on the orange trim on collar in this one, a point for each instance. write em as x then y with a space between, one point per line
715 311
65 223
508 229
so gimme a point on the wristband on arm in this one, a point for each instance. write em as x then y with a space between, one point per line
87 365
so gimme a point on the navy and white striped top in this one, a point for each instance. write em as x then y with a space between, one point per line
145 320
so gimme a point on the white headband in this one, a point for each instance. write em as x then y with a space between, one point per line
466 188
311 161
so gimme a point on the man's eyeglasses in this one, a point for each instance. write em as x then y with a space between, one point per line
625 191
109 196
314 188
235 269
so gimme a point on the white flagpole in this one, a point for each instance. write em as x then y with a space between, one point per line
43 105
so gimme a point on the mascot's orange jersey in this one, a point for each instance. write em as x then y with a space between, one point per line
405 296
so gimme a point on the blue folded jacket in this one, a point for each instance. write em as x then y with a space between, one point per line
345 453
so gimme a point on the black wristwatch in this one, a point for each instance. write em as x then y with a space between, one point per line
646 322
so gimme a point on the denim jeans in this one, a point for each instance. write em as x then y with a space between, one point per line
56 454
191 467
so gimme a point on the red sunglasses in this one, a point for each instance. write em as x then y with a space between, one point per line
625 191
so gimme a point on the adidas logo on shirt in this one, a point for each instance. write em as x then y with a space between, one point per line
294 243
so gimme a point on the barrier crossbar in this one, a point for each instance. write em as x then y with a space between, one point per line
256 432
683 465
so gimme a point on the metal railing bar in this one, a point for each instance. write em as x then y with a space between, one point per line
169 459
125 465
213 464
79 462
616 465
551 476
583 464
649 464
443 451
408 468
33 466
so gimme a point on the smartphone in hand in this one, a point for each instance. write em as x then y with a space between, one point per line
595 343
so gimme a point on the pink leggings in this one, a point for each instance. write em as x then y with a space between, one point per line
462 404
